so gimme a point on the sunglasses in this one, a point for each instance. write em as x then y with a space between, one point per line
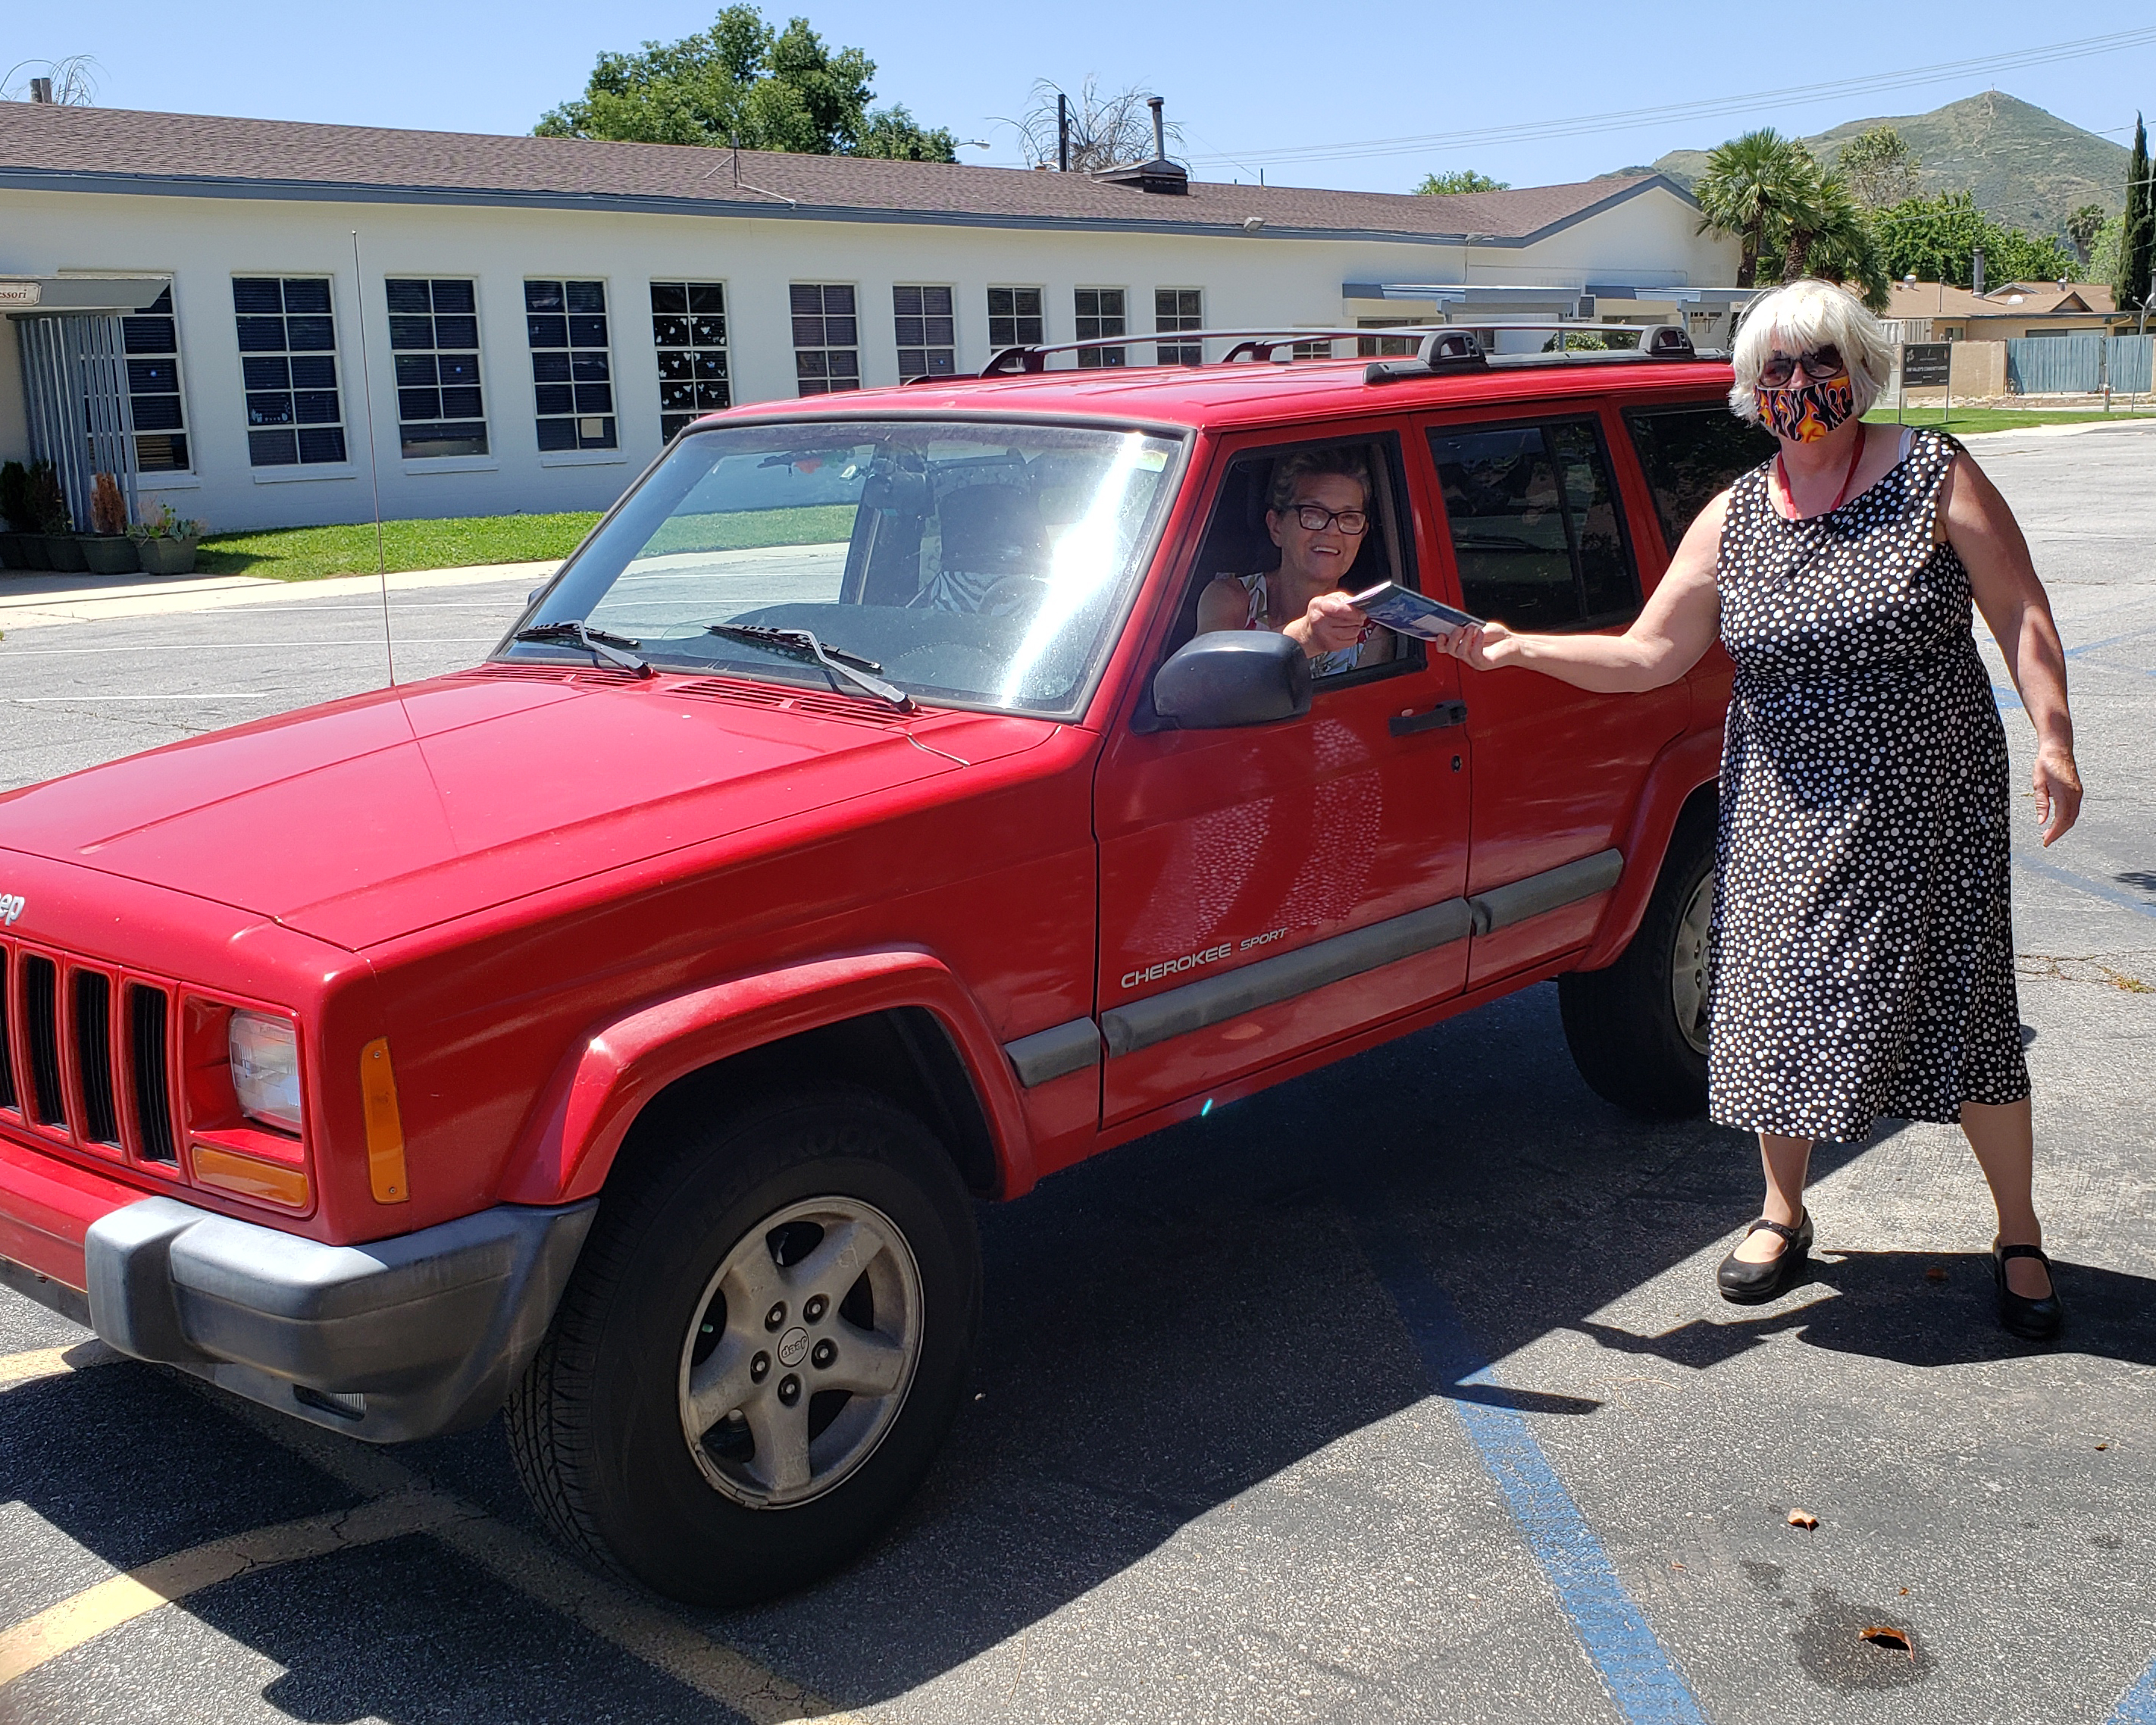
1820 365
1315 518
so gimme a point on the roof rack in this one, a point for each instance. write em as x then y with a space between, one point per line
1440 348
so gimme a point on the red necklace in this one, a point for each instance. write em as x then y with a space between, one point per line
1840 497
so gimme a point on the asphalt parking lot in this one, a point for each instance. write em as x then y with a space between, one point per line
1399 1392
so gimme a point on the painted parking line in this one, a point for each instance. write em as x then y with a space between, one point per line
54 1362
59 1629
1641 1676
625 1616
2082 884
2137 1706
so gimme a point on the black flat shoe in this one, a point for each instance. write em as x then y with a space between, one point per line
2033 1320
1754 1284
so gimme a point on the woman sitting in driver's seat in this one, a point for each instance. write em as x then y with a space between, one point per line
1319 512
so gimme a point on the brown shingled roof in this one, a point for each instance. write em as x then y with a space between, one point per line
116 150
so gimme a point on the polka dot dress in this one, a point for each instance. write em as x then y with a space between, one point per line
1862 951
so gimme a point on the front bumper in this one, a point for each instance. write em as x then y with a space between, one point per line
402 1338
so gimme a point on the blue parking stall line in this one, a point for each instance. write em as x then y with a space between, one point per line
2082 884
1641 1676
2005 699
2137 1706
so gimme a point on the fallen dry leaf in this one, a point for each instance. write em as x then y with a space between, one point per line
1905 1590
1677 1566
1803 1519
1936 1273
1882 1634
2103 1446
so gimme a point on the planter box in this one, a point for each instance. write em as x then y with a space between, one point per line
162 555
14 554
109 553
59 551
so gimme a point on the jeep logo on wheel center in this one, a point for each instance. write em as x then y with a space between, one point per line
793 1347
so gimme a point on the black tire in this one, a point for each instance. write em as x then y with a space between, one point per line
599 1426
1623 1023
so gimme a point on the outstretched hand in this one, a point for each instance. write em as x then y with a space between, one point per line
1332 624
2058 793
1481 646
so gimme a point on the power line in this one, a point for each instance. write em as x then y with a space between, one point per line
1633 119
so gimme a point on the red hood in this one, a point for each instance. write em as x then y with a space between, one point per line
367 819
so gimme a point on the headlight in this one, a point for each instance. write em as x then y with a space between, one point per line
265 1069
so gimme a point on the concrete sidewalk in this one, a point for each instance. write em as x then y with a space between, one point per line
36 601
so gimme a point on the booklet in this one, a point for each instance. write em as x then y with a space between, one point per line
1407 612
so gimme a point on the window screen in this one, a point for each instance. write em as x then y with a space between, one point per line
689 329
433 336
926 332
827 341
1014 318
153 341
1100 313
1536 532
1179 309
571 373
288 361
1690 455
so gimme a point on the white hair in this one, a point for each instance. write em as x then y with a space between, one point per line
1802 317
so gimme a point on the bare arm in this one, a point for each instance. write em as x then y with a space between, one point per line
2001 574
1667 638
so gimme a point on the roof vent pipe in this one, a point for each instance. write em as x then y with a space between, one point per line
1159 127
41 90
1159 175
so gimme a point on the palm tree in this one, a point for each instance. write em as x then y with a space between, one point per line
1755 187
1832 236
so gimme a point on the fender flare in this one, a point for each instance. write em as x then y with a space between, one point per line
1694 760
608 1076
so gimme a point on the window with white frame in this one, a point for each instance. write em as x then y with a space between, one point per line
565 323
927 331
689 330
288 363
1100 313
1176 309
1386 346
827 338
1014 318
433 338
1310 350
151 339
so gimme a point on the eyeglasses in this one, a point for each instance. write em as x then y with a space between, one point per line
1315 518
1820 365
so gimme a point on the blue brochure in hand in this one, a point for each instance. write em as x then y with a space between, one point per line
1407 612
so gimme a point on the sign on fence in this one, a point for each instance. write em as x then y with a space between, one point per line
1926 365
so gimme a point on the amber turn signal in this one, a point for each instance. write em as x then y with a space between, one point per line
251 1177
385 1126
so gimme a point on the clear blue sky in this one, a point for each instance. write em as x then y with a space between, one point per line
1242 79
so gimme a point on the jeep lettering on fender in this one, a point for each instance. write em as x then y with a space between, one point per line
915 839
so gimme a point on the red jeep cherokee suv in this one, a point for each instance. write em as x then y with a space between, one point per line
856 826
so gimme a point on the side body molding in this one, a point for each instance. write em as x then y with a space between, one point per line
606 1077
1139 1024
1552 890
1055 1052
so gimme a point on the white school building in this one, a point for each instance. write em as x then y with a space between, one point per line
265 321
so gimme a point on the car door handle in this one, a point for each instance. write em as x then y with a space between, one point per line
1441 718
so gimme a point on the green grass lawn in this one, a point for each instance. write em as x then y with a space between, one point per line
311 553
1976 419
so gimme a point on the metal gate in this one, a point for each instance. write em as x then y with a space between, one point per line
2079 365
75 385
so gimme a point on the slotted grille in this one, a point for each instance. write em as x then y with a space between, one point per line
41 1021
93 1056
7 1058
821 706
153 1094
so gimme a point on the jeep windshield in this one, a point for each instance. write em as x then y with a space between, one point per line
968 564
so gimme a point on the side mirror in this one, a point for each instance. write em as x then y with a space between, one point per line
1234 677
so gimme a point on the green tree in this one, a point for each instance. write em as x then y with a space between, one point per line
1878 167
2104 252
1936 239
2082 226
1753 188
742 82
1829 235
2137 240
1458 180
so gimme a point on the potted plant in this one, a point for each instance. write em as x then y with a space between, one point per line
54 546
166 542
15 504
106 548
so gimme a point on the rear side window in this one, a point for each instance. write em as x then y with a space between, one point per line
1690 455
1537 530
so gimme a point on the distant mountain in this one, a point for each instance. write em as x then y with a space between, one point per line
2025 166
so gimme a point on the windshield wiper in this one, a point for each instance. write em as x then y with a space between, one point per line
836 661
605 648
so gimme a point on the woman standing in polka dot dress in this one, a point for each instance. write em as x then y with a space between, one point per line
1862 953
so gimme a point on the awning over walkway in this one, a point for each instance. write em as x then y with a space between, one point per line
75 376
